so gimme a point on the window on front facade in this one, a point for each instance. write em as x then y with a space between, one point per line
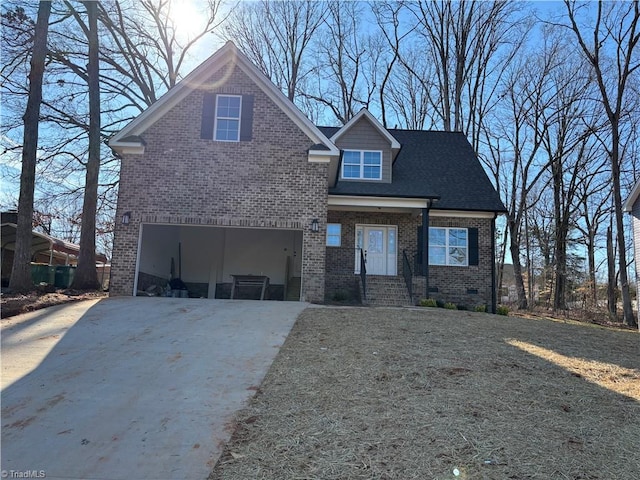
362 165
333 234
448 246
228 108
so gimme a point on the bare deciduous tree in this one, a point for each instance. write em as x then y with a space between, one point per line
344 53
616 29
468 45
86 277
594 200
140 64
568 122
521 125
276 37
20 279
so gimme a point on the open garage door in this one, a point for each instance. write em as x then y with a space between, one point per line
206 259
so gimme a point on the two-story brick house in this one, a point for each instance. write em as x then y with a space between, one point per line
224 176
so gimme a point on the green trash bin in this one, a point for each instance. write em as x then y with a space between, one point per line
64 276
41 273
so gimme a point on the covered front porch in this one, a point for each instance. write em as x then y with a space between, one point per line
403 250
373 247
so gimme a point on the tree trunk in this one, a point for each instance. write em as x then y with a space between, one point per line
611 274
627 309
503 250
591 254
20 279
560 283
86 276
517 267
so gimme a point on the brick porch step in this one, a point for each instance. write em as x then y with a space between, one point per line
387 291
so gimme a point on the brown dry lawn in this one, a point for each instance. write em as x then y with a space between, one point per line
363 393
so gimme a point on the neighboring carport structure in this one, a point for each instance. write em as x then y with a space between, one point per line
45 249
204 259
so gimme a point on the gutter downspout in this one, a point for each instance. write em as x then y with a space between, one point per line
494 301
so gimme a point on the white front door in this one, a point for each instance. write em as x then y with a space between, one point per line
379 245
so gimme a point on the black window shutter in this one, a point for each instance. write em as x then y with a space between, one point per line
208 116
246 118
473 246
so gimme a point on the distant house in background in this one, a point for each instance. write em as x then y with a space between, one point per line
46 251
632 206
508 289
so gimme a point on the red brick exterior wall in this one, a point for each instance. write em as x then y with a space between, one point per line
183 179
454 283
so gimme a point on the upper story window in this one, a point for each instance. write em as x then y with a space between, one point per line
227 126
448 246
362 165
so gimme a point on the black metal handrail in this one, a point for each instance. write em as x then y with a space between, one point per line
363 274
407 274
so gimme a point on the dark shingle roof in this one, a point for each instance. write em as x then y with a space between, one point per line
431 164
319 146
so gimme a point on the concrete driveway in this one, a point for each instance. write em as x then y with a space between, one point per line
125 388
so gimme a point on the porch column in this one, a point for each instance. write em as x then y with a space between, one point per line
425 248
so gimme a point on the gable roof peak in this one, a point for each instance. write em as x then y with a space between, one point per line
229 53
364 113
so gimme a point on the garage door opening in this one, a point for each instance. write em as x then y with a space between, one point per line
206 259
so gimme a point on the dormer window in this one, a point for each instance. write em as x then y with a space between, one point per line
362 165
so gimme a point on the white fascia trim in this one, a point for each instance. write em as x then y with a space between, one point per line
379 202
460 214
125 148
378 126
628 205
319 157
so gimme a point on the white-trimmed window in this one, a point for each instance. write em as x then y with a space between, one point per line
362 165
448 246
227 126
334 231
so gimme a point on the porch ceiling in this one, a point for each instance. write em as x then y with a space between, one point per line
377 204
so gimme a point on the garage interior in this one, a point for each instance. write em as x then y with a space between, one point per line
204 261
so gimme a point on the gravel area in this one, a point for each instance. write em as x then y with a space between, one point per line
384 393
